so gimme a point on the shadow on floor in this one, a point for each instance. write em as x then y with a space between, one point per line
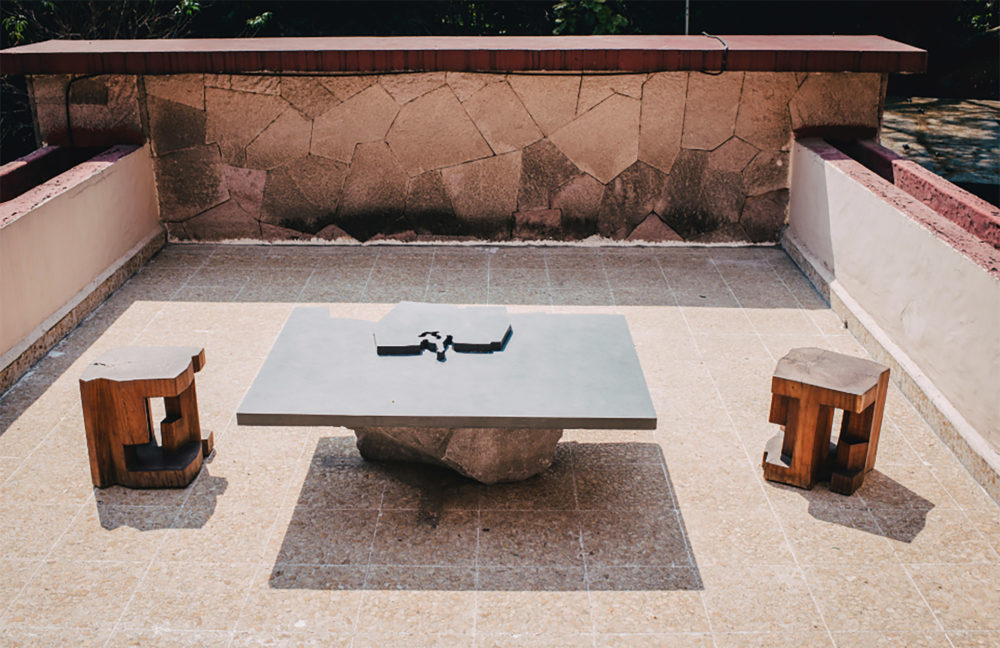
602 517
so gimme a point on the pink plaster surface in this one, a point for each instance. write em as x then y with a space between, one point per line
970 212
968 243
13 209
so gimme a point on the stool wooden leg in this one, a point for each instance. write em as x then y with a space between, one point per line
806 441
876 423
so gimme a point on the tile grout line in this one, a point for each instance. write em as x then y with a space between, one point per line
368 567
430 273
371 273
802 307
607 279
746 453
701 594
489 272
548 279
583 550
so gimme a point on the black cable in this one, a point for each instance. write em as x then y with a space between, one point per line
725 55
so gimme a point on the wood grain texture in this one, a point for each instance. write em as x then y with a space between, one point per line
115 392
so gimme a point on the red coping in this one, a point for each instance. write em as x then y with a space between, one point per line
962 239
465 53
970 212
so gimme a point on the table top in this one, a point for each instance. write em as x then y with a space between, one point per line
555 371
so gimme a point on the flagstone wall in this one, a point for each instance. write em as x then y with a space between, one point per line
681 155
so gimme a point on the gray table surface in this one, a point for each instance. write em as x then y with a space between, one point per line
556 371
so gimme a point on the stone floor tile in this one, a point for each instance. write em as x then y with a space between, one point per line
964 597
553 489
646 600
715 320
680 640
307 599
172 597
527 539
876 639
823 533
773 640
429 489
31 530
960 485
987 520
321 536
34 637
933 536
426 600
849 597
234 532
533 640
14 575
74 593
124 637
111 532
911 486
606 486
412 639
532 600
410 538
759 598
651 537
731 486
974 639
736 537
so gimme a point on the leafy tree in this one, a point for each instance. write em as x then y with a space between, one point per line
589 17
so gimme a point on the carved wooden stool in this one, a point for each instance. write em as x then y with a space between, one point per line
807 385
115 392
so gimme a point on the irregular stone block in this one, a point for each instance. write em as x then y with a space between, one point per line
628 199
262 84
501 118
428 207
684 206
763 118
484 193
374 192
837 99
246 188
93 90
234 119
187 89
285 139
189 182
579 201
732 156
345 87
174 126
108 113
596 88
334 233
537 224
605 140
764 216
767 172
225 222
723 195
406 236
434 131
277 233
544 169
488 455
710 113
304 194
466 84
307 95
404 88
550 100
365 117
726 233
662 118
653 230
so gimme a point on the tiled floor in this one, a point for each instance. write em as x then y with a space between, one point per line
633 538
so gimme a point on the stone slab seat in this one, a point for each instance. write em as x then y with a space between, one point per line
115 391
808 384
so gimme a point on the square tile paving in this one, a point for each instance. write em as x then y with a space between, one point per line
633 538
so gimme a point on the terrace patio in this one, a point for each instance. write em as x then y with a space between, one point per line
660 538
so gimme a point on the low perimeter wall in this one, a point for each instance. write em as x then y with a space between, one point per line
66 244
641 138
924 290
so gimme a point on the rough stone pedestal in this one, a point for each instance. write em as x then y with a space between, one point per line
488 455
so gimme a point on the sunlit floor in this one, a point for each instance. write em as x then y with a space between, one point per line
633 538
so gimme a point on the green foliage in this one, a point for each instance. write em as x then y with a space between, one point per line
15 26
257 22
981 16
588 17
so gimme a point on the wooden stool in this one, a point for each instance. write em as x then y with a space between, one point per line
808 383
115 392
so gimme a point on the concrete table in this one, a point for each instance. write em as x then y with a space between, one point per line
493 416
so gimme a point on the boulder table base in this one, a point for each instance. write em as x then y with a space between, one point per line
488 455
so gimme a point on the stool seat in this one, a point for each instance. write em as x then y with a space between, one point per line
807 385
115 392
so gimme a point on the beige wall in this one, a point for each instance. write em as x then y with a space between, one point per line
936 304
661 156
61 236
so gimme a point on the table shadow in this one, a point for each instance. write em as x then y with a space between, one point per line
603 517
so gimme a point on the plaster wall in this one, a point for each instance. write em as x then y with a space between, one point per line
59 237
658 156
937 304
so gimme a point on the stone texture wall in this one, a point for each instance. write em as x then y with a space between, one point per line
662 156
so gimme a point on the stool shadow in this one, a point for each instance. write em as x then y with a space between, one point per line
601 518
897 512
152 509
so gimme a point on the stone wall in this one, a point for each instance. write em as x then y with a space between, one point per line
661 156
